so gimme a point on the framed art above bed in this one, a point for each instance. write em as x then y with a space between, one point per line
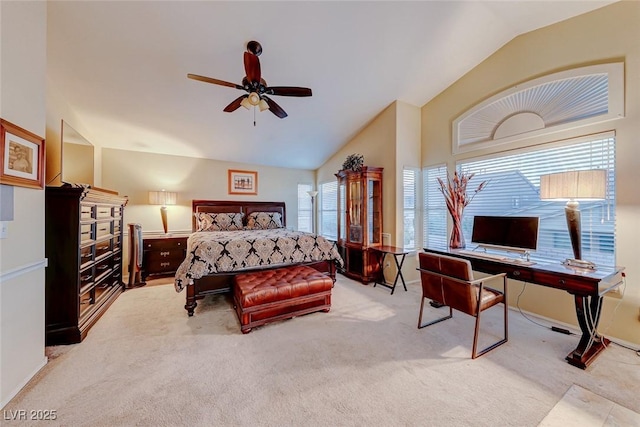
243 182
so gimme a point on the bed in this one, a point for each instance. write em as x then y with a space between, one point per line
215 257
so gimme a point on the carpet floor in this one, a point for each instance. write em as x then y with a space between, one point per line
364 363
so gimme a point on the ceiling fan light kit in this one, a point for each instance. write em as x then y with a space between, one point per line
255 86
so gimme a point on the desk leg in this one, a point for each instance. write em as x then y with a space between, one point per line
591 344
399 273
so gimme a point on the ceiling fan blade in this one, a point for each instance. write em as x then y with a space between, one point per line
214 81
252 67
235 104
275 108
288 91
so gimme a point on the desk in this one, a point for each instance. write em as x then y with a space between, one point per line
586 286
397 253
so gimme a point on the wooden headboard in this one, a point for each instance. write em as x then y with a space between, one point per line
227 206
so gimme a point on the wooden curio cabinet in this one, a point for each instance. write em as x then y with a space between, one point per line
360 221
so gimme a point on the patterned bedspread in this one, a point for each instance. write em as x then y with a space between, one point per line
223 251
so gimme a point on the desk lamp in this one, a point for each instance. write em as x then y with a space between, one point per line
163 198
574 186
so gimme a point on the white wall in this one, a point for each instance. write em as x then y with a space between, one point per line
22 102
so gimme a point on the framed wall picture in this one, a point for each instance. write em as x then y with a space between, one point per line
21 156
243 182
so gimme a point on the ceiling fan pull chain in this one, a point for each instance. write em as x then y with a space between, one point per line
254 116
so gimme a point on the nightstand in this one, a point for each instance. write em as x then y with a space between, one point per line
162 255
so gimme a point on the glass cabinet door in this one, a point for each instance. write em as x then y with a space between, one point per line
374 210
355 211
342 212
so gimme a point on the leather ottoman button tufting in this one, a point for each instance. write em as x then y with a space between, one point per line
264 296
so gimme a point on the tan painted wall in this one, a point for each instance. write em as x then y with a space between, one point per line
408 146
134 174
407 155
391 140
22 102
376 142
605 35
58 110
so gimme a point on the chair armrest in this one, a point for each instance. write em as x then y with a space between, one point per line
468 282
488 278
503 276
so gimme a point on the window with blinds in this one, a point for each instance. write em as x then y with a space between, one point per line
329 210
410 207
304 208
513 189
434 226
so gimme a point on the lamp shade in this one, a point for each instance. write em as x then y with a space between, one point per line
574 185
245 103
312 193
254 98
163 198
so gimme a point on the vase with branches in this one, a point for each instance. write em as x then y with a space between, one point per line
457 198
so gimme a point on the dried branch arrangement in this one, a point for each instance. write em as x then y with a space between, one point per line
456 196
455 192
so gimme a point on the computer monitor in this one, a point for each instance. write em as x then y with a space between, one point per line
506 232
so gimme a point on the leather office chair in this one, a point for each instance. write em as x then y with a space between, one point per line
449 281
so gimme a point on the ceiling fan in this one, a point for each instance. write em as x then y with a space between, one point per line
255 86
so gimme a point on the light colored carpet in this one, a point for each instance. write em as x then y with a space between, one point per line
364 363
581 408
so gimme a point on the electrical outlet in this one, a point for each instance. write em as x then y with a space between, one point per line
614 293
4 230
614 288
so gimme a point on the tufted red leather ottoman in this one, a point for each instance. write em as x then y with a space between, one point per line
268 295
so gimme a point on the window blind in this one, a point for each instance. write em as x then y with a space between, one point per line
304 208
434 226
329 210
410 207
513 189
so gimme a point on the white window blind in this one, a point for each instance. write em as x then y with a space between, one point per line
304 208
434 227
513 189
410 207
329 210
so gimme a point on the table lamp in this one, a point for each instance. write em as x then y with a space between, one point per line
313 195
163 198
574 186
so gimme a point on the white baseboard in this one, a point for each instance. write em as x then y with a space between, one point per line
20 386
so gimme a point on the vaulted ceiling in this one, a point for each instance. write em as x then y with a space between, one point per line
122 67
